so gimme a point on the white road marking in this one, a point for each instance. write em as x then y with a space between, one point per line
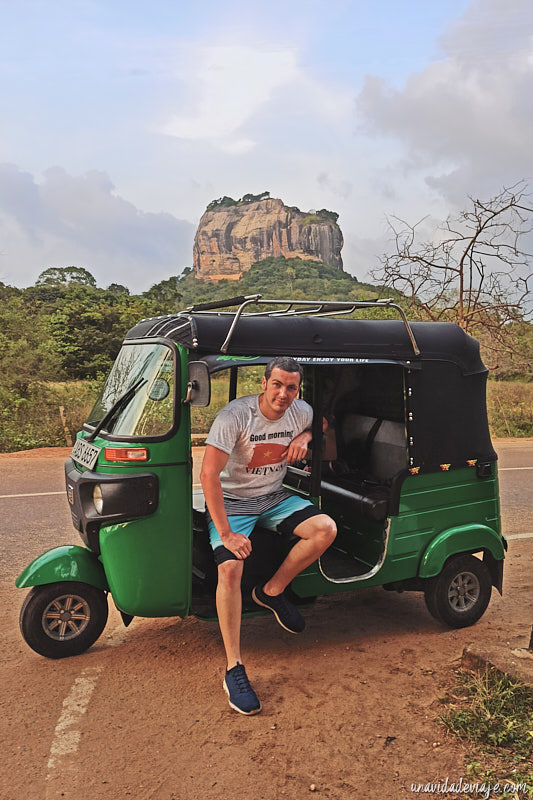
67 733
519 536
33 494
509 469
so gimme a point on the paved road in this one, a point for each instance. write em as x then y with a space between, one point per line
516 485
69 723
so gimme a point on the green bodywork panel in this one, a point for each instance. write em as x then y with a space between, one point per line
465 538
65 563
440 514
148 561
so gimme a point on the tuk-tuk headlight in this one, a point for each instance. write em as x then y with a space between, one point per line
98 499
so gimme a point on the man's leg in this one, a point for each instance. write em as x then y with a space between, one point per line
241 696
229 608
316 532
316 535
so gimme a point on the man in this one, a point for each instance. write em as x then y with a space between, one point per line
248 448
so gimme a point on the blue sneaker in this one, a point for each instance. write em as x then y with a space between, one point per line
285 612
241 696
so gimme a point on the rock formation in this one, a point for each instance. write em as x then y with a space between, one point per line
232 235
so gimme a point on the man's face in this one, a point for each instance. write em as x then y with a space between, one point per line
279 391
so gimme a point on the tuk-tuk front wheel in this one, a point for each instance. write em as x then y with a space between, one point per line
461 593
63 619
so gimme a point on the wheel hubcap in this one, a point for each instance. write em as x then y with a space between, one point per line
66 617
463 592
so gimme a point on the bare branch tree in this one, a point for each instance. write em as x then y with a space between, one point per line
475 272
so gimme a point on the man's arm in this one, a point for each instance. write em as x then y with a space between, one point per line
297 449
213 464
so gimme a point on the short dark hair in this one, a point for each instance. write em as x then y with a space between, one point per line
286 363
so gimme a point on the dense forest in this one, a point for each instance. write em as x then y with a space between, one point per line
59 337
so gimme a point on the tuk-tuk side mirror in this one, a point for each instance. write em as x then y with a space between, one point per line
199 385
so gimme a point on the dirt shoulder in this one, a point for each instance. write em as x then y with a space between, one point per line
350 706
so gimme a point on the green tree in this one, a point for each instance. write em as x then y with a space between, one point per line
166 293
26 353
254 198
276 277
88 327
290 274
117 288
222 201
65 276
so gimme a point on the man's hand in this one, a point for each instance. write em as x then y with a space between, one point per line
238 543
214 462
297 450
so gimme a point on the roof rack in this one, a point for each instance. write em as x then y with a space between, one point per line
317 308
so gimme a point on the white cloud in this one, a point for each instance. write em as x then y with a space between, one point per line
79 220
466 121
341 188
227 85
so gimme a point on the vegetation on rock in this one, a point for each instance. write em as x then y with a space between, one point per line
225 201
316 217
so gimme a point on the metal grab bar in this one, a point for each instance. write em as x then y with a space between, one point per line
231 301
319 308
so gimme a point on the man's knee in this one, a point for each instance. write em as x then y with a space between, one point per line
230 574
327 530
321 529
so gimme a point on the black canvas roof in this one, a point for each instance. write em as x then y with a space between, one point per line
316 338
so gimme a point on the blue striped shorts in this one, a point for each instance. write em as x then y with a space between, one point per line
283 518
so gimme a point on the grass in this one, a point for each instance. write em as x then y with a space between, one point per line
510 408
34 421
493 713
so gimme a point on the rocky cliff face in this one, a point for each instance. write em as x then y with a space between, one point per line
230 238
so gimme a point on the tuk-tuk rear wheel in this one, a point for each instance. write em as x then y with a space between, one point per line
63 619
461 593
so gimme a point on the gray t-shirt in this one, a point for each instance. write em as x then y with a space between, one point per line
255 444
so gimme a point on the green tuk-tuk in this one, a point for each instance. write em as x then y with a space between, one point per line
407 469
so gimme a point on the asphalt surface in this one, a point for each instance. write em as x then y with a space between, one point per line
53 711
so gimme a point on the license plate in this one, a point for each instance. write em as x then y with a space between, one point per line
85 453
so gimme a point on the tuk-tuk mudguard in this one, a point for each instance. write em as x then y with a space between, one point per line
65 563
462 539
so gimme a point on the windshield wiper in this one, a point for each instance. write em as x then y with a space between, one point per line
118 405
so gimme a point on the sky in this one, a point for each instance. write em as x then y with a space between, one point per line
121 121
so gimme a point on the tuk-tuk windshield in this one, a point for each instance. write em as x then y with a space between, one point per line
149 370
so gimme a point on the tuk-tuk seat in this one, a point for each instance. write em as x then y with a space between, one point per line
374 446
368 501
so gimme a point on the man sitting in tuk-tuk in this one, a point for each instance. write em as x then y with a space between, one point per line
248 448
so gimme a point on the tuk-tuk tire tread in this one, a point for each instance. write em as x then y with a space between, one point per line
436 591
39 599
